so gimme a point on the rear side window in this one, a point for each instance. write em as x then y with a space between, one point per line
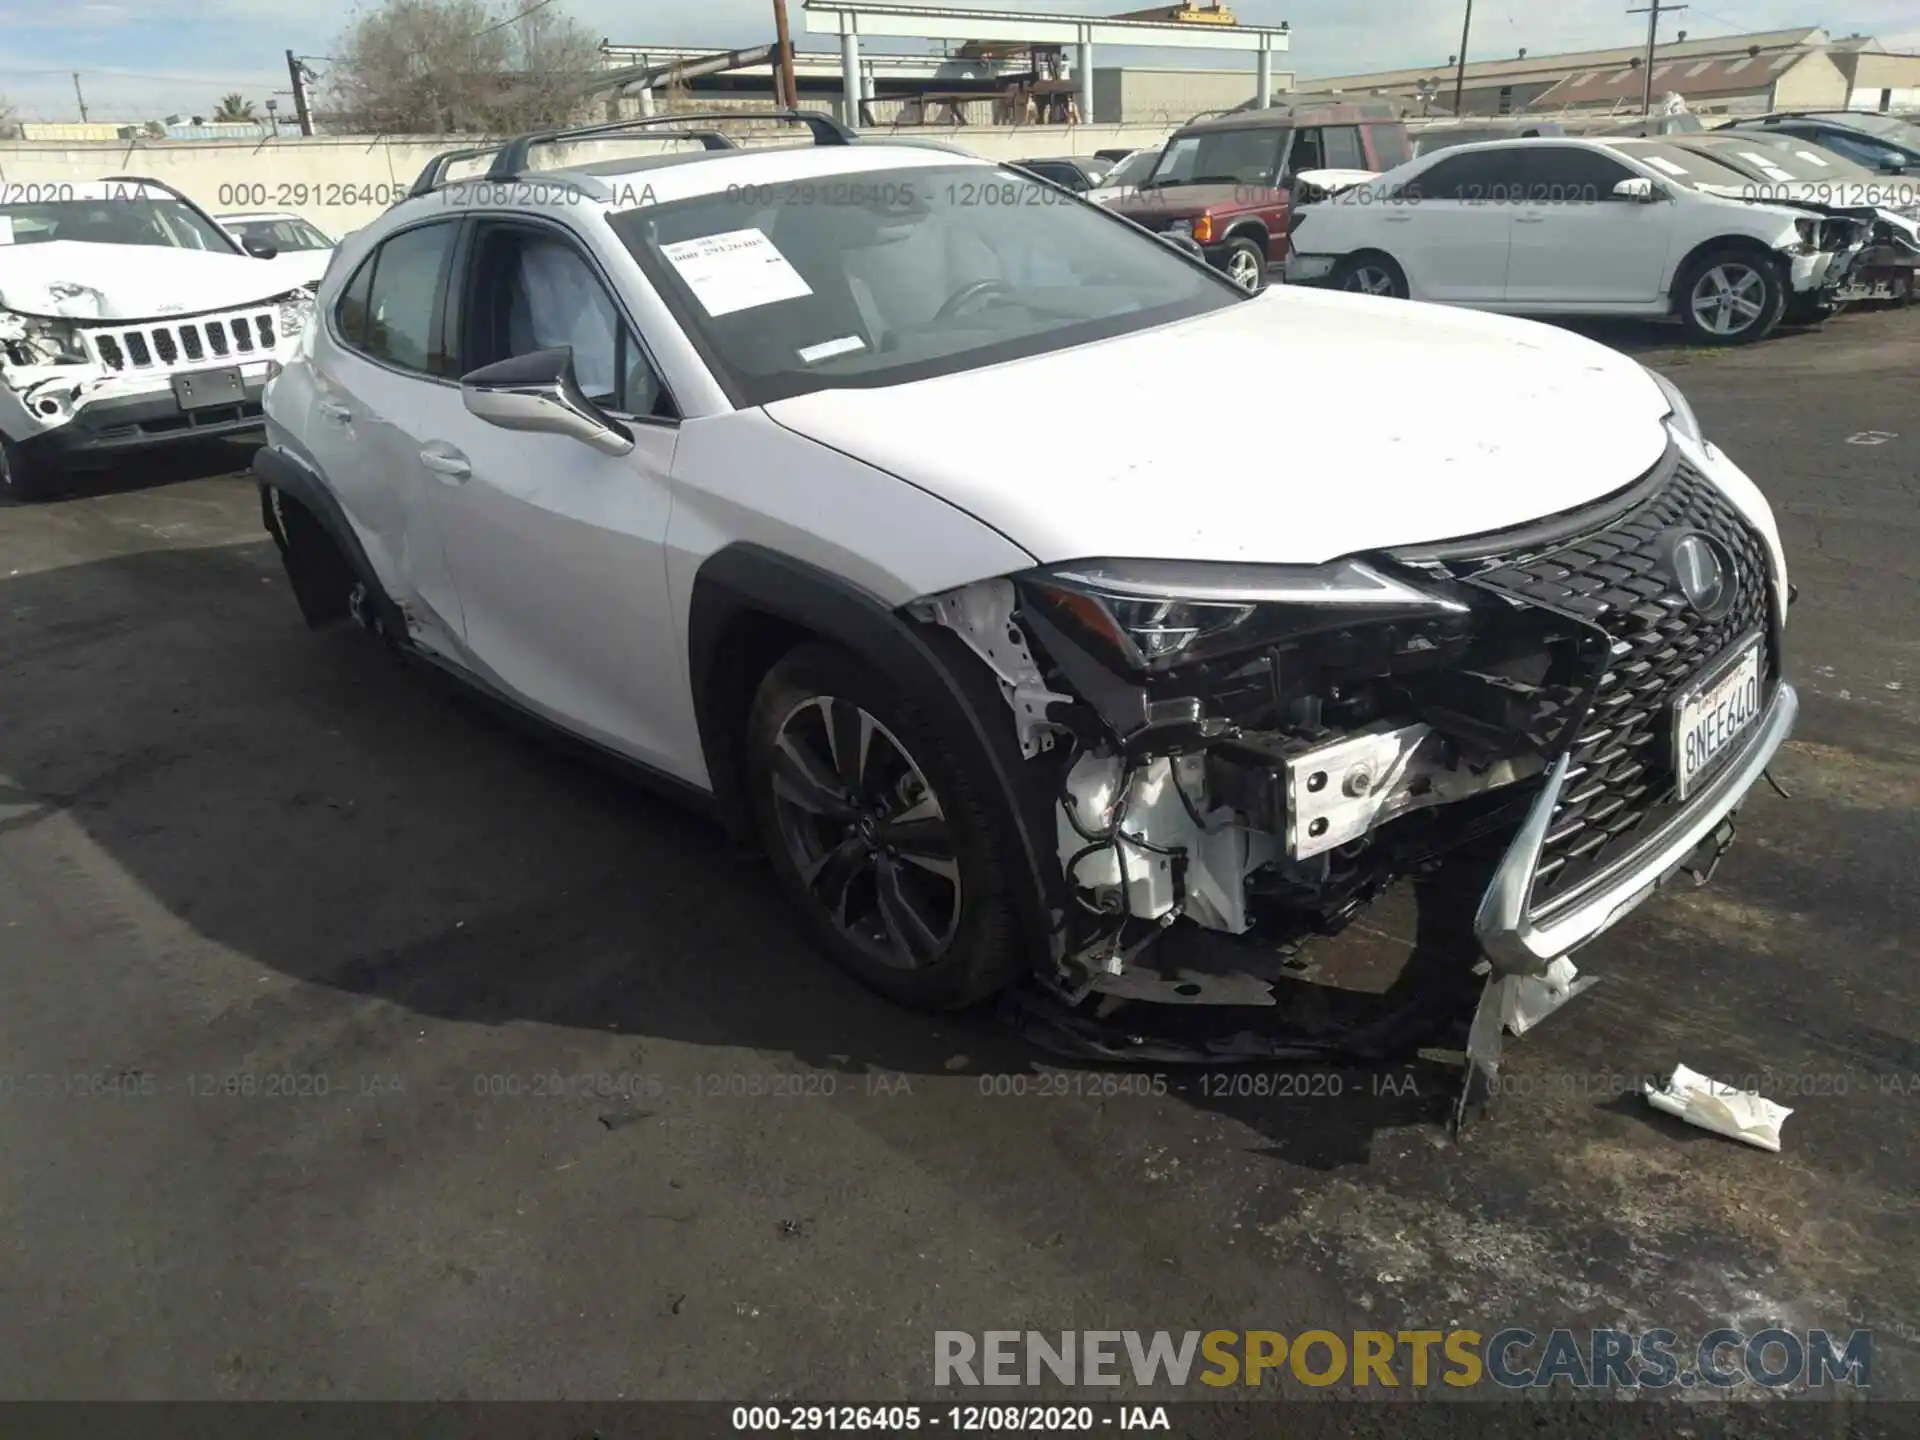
1485 177
1563 175
1390 147
391 309
1344 151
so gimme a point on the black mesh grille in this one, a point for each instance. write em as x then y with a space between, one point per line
164 347
242 335
137 348
190 342
217 337
110 355
1620 783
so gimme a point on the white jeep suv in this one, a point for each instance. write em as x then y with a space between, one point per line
128 319
744 467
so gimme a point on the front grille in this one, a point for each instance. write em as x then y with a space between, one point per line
162 347
1620 783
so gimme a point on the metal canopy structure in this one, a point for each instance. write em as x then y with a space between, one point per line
851 19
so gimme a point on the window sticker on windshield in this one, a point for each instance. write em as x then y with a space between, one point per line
6 229
827 349
1811 158
738 270
1660 162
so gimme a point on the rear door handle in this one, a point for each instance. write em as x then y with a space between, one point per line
447 461
335 412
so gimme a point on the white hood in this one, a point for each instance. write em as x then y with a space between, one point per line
132 282
1294 428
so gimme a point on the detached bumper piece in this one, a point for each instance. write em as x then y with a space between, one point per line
137 422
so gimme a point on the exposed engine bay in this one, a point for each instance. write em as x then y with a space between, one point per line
1241 759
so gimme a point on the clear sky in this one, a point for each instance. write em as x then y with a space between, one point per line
144 58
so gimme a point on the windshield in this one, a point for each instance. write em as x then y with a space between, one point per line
114 220
1685 167
1132 170
1221 157
899 275
1888 127
283 235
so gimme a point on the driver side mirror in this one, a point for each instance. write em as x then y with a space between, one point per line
538 392
1892 165
1639 189
260 249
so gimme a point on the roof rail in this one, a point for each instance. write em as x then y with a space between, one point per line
435 173
512 159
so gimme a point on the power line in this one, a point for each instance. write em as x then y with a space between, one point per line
502 24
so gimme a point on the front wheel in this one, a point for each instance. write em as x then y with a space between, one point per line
880 832
1245 262
26 473
1731 297
1371 273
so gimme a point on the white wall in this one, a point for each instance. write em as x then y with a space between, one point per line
341 183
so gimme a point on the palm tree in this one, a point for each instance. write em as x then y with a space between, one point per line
233 110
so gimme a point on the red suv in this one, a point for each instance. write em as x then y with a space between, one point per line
1224 178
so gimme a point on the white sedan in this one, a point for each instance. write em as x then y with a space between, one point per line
1557 226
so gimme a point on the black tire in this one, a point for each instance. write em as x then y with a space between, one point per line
1366 271
321 578
972 917
1753 299
27 473
1244 262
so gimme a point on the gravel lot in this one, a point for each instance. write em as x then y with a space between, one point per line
232 848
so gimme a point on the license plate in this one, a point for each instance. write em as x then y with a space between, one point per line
203 389
1710 718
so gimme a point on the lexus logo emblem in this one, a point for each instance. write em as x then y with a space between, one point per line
1704 572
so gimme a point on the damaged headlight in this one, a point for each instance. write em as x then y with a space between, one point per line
1150 615
41 340
294 311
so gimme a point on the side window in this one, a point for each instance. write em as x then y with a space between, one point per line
389 308
350 311
1309 152
532 290
1563 175
1344 151
1390 147
1485 177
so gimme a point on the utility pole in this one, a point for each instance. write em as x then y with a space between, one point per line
1653 10
301 113
783 80
81 98
1460 70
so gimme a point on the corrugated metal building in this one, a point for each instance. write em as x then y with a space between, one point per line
1133 95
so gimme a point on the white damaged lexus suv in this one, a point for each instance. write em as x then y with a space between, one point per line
744 467
129 319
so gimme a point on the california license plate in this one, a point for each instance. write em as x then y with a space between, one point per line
1710 718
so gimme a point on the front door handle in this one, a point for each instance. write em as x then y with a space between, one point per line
335 412
447 461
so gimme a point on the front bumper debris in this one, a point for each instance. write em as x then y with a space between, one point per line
1520 940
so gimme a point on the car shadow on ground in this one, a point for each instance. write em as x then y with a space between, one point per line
167 465
338 815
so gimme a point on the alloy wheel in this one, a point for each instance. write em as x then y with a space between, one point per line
1370 280
1243 268
1729 299
866 832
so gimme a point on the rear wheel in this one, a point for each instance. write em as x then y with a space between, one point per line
26 472
1731 297
1371 273
880 832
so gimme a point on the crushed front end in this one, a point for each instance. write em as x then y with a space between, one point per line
1536 728
72 385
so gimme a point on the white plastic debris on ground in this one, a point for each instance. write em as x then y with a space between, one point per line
1737 1114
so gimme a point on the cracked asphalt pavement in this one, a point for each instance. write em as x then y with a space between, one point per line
238 857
